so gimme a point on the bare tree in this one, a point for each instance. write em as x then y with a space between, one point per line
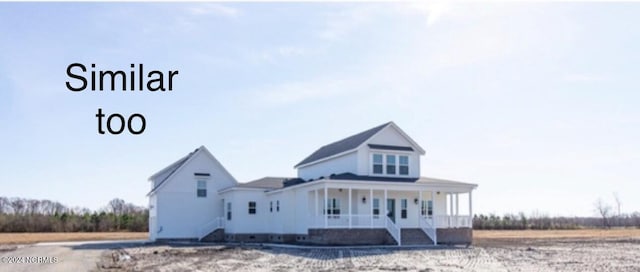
604 210
618 202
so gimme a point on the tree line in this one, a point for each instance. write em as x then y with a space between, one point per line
544 222
33 215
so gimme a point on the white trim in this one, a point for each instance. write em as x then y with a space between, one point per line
397 155
402 133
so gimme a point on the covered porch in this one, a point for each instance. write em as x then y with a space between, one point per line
390 206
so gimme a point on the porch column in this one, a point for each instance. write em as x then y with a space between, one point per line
371 205
433 210
315 220
350 217
457 223
385 206
470 211
450 207
419 206
326 203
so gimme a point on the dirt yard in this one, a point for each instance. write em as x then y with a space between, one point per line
590 250
30 238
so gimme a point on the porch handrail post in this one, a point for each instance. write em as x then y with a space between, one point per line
371 204
326 210
350 213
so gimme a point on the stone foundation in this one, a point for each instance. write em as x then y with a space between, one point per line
452 236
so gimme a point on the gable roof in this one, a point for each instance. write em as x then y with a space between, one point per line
352 142
343 145
166 173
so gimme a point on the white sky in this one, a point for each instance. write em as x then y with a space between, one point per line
538 103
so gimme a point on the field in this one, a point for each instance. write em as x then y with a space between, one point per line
30 238
579 250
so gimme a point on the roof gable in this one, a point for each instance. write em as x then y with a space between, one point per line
344 145
165 174
353 142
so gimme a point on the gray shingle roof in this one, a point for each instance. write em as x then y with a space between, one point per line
351 176
265 183
343 145
167 172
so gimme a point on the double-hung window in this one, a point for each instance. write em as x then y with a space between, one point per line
376 208
201 188
391 164
252 207
404 165
377 163
228 210
403 206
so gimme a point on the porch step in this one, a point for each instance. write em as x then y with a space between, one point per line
415 237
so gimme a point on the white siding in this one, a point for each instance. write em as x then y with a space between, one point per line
179 212
343 164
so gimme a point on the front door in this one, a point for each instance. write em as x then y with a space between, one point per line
391 209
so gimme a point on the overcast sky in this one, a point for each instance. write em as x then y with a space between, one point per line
538 103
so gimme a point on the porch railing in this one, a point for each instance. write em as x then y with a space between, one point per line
452 221
429 229
211 226
348 221
394 230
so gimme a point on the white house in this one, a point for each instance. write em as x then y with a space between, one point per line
364 189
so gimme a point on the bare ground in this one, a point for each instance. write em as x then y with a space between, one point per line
551 254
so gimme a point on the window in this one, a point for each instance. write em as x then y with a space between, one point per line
202 188
252 207
277 205
391 164
228 210
427 208
377 163
270 206
404 165
333 207
376 207
403 206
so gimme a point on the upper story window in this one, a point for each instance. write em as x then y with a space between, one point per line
252 207
377 163
404 165
201 188
390 164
